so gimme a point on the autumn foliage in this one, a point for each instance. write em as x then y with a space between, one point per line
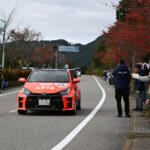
129 39
43 55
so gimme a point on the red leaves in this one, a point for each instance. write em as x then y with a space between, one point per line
99 54
130 39
43 55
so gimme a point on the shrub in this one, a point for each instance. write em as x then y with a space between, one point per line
13 75
98 72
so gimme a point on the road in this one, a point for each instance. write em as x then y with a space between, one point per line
44 131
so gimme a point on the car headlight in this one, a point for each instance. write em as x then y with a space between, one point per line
25 91
65 92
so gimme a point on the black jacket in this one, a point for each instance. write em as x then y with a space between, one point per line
121 76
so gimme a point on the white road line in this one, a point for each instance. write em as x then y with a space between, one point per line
8 93
75 131
13 111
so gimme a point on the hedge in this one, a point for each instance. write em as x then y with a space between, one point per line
98 72
13 75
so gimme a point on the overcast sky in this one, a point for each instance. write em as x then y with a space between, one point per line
77 21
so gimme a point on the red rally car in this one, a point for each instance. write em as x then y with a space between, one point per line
49 90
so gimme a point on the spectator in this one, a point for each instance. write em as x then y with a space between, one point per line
139 88
121 81
148 96
143 79
149 65
144 72
105 75
145 69
109 76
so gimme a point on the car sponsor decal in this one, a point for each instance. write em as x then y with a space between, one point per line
44 87
50 86
60 84
46 84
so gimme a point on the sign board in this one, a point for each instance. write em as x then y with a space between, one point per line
66 66
68 49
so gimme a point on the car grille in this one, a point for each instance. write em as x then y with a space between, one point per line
56 102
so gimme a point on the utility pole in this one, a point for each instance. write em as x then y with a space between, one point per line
3 53
56 56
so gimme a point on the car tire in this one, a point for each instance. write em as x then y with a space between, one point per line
22 112
73 112
79 105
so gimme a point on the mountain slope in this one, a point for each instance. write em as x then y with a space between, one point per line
85 55
82 59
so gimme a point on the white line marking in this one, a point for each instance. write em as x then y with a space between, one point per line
75 131
9 93
13 111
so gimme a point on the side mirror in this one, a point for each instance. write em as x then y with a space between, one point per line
76 80
22 80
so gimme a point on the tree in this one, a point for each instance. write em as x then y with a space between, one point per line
100 52
5 35
44 56
132 36
19 40
122 10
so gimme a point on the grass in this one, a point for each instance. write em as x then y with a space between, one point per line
146 112
130 136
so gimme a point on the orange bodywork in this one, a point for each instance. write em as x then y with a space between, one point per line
49 91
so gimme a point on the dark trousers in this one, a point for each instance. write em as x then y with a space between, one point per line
119 93
139 100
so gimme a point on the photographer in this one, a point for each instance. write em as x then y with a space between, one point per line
145 79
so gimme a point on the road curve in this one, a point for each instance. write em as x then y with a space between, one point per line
44 131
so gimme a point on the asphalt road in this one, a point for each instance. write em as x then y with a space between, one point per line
44 131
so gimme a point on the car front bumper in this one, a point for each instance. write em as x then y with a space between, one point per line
57 102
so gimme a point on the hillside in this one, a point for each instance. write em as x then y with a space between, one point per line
81 59
85 55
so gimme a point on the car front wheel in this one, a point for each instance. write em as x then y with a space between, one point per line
73 112
79 105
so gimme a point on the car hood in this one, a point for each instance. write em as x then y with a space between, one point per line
46 87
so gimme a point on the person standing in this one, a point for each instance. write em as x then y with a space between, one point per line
1 78
105 75
109 77
122 87
139 88
144 71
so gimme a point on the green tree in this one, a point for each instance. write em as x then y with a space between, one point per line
98 54
122 9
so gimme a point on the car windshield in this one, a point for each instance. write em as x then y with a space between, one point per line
50 76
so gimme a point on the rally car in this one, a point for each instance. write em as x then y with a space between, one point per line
49 90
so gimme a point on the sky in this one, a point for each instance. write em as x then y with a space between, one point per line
77 21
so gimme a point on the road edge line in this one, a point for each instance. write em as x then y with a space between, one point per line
8 93
81 125
12 111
